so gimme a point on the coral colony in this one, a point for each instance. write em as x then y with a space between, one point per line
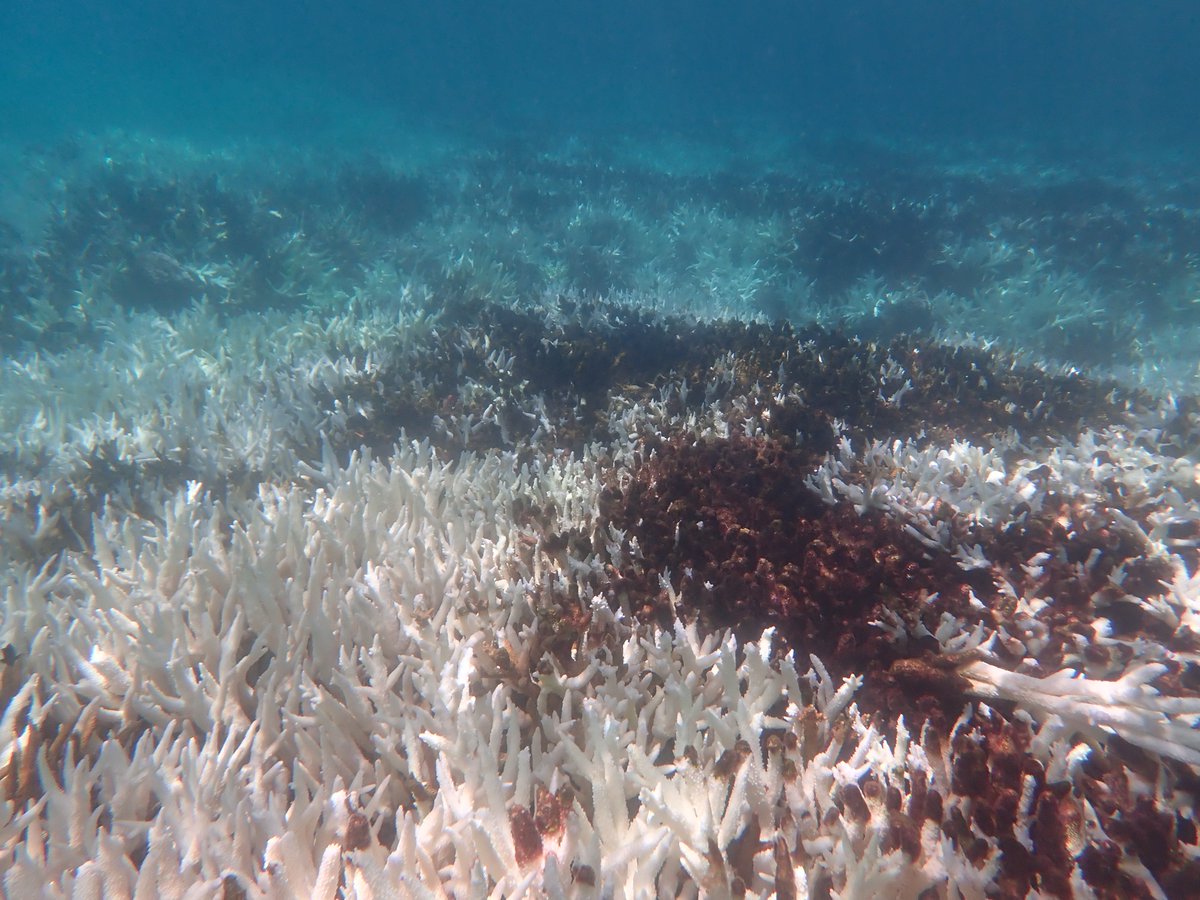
465 586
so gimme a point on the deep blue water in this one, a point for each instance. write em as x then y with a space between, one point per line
1097 73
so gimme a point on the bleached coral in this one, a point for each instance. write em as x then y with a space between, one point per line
219 702
373 676
1129 706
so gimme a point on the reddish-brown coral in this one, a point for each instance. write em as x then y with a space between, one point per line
749 546
753 547
551 810
527 841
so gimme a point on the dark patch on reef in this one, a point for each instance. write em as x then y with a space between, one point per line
564 368
1033 828
751 547
734 513
990 765
1092 565
1135 827
389 201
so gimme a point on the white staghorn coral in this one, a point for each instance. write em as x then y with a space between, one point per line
434 674
1128 706
226 689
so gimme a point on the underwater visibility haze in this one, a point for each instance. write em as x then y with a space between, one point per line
599 449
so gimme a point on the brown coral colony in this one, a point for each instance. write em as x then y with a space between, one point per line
754 548
751 546
723 529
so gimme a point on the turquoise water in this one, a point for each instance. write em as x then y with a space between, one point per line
1009 176
1103 72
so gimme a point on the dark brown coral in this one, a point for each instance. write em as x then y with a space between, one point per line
527 841
753 547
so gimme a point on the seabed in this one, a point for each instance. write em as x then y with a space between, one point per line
557 521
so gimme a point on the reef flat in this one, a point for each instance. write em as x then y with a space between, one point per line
522 524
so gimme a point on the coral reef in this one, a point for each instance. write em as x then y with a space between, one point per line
483 586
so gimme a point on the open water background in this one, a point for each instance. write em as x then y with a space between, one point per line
1102 74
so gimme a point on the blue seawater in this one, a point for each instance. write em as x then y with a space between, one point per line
1098 73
